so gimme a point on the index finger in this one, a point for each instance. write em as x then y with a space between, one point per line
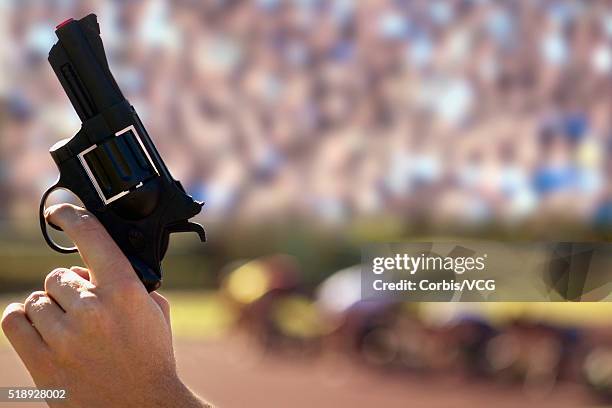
106 263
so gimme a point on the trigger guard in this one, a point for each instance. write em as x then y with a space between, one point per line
43 222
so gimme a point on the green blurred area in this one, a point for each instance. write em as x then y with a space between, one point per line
192 270
319 251
25 259
207 315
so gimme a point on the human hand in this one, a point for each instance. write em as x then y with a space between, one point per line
96 332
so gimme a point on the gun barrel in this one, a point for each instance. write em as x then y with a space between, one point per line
79 62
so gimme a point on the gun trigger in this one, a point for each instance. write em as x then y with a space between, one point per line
187 226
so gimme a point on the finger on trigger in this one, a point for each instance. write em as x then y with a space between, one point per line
107 264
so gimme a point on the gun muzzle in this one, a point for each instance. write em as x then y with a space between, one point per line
79 61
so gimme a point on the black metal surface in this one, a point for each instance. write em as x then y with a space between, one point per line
111 164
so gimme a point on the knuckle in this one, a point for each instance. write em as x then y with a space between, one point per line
37 302
35 298
54 277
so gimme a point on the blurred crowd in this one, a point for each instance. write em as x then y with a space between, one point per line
467 111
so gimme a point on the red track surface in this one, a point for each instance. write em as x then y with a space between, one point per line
231 375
